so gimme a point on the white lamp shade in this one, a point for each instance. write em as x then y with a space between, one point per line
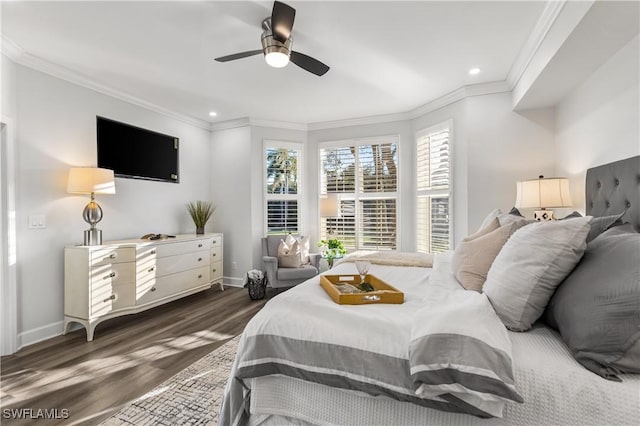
329 206
543 193
87 180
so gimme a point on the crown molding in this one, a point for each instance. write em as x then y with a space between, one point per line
20 56
359 121
540 30
278 124
230 124
10 49
444 100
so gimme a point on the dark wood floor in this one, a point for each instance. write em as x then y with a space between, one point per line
128 357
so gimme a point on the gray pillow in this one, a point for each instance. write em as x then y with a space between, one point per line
599 224
597 308
530 266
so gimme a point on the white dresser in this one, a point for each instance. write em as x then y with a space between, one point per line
129 276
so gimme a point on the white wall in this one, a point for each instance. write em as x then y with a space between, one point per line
598 122
231 175
56 131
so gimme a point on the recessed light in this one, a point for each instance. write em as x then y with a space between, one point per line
213 114
474 71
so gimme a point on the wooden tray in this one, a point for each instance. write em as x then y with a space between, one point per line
393 296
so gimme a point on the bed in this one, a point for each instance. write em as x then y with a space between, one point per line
305 360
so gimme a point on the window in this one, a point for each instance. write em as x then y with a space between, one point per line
364 175
433 180
282 185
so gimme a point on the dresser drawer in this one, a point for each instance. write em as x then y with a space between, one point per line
216 242
112 274
112 255
172 264
107 298
172 249
216 271
157 288
216 254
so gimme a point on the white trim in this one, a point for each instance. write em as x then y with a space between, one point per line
540 30
230 124
39 334
278 124
20 56
300 196
8 258
463 92
233 281
448 125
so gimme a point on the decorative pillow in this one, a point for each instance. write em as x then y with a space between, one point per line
305 246
475 254
530 266
597 308
599 224
514 215
289 253
289 256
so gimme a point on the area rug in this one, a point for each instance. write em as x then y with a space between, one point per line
191 397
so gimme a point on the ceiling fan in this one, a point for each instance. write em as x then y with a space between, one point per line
277 43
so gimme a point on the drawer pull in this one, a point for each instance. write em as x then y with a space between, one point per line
153 289
199 259
112 297
153 268
113 255
200 276
215 242
153 251
213 254
111 275
199 245
213 270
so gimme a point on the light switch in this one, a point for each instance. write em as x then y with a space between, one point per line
37 221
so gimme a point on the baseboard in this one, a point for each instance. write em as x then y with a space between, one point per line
233 281
39 334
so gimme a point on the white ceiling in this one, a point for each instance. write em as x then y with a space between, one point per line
385 57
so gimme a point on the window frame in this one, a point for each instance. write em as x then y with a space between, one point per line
299 196
356 196
445 125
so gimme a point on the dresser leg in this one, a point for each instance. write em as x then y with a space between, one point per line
221 286
91 328
65 328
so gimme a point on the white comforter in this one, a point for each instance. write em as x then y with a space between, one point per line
379 349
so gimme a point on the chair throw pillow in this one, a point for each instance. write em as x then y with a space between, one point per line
530 266
305 247
289 255
475 254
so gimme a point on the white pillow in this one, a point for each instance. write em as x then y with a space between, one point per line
532 263
305 247
289 255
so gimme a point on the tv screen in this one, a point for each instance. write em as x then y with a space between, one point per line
132 152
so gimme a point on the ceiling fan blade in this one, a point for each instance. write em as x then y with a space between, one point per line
282 17
239 55
309 64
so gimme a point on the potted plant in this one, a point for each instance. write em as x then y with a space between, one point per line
201 212
332 249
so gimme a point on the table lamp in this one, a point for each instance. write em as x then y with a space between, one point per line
543 193
329 207
91 180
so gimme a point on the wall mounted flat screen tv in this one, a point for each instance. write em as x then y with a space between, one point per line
133 152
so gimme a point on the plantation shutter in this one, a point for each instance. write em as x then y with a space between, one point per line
282 188
433 179
364 174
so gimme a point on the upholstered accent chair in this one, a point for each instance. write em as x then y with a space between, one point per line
285 277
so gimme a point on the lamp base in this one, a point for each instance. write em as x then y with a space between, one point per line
543 215
93 237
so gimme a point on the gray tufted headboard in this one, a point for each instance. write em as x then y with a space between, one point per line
614 187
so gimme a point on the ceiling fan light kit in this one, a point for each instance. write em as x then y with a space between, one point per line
276 43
